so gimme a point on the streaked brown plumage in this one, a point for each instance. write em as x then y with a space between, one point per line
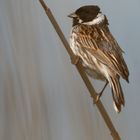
101 55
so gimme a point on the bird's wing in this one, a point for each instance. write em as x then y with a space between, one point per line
101 44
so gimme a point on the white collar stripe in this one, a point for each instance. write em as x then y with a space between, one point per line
100 17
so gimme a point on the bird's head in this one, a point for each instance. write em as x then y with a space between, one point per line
88 15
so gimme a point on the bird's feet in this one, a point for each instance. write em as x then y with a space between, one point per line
75 59
97 98
100 94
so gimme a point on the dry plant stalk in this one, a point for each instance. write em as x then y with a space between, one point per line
82 73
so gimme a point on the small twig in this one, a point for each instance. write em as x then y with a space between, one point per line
57 28
82 73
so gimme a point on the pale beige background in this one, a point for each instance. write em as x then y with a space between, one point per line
42 97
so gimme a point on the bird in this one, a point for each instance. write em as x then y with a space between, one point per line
101 55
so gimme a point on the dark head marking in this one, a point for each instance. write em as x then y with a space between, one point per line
87 13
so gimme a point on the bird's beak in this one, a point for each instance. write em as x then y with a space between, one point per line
72 15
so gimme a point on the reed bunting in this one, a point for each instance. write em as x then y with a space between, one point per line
101 56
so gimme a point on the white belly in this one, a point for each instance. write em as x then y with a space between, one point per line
93 67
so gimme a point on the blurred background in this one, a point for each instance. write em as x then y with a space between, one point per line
42 96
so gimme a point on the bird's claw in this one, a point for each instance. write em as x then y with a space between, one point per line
97 98
75 59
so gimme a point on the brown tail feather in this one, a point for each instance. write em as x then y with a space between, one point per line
117 94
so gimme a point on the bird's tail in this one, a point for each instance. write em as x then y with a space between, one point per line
117 93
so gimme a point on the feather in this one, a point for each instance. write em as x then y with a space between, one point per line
117 93
99 42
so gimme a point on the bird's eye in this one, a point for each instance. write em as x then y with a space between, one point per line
79 20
